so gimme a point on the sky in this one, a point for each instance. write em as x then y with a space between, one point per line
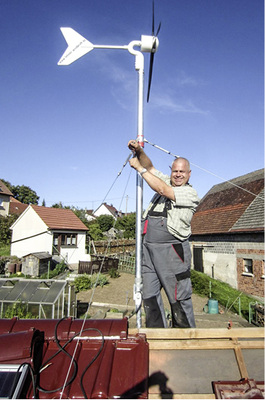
65 129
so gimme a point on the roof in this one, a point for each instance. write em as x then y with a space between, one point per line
16 207
253 217
30 291
107 362
233 206
41 255
4 189
59 218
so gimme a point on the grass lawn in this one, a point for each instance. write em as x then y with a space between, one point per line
4 250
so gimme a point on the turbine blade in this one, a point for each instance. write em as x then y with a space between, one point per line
150 75
158 29
153 19
78 46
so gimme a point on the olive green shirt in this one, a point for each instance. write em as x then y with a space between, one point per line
182 208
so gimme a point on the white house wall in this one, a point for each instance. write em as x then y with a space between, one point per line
75 254
102 210
29 234
4 205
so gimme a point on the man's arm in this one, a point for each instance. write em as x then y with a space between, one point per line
153 181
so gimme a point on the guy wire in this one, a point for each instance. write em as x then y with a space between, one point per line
203 169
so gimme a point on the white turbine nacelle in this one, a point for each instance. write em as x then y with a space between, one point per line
149 44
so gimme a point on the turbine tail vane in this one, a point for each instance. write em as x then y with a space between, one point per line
78 46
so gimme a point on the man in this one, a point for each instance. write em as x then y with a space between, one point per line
166 251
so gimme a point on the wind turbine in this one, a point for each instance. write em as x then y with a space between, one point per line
78 46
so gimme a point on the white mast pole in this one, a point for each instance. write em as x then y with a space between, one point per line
139 66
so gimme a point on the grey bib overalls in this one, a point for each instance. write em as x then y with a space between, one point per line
165 263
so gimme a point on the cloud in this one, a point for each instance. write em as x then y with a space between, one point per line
184 80
167 103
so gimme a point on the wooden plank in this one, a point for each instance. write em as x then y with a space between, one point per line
241 363
195 333
183 396
202 344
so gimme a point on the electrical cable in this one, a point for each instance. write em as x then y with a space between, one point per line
62 349
92 361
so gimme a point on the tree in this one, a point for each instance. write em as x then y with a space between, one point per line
105 222
25 194
58 205
22 193
5 232
127 224
94 231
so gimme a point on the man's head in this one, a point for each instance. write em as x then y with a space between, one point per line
180 172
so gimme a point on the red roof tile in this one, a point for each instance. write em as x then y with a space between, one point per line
225 203
59 218
4 189
16 207
216 220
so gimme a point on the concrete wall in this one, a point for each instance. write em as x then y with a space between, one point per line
223 258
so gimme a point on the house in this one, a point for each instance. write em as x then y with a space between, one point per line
105 209
228 233
89 215
56 231
5 195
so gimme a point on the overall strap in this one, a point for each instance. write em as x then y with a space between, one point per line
163 213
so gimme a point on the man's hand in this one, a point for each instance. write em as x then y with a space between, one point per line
135 163
134 146
144 160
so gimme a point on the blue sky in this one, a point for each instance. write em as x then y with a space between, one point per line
64 129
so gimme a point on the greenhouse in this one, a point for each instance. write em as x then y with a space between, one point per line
46 299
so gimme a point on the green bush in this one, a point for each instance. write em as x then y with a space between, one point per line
86 282
113 273
82 283
59 269
227 296
99 280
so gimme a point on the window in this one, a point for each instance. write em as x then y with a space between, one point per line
64 239
248 266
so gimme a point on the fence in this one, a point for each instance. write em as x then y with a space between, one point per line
124 263
98 263
117 246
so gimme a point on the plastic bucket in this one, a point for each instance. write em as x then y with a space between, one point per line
213 306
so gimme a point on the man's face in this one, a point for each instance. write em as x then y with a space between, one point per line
180 173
